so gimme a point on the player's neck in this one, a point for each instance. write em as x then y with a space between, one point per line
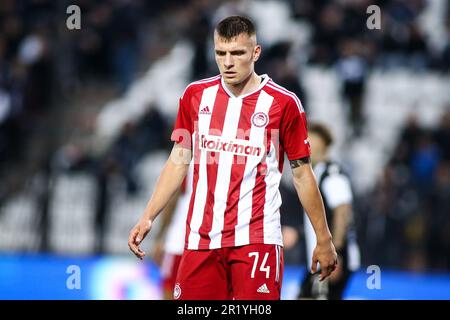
248 85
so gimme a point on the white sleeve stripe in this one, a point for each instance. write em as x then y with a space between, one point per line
299 105
285 90
200 82
288 93
272 83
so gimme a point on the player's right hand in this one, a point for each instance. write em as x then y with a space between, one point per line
137 234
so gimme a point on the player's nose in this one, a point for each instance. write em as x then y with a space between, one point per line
228 62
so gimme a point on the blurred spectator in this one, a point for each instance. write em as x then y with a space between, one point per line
124 26
135 140
442 136
409 137
286 76
72 157
277 64
424 162
199 33
352 70
326 35
94 42
407 213
438 222
386 208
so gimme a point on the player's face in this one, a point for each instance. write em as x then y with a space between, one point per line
236 57
318 147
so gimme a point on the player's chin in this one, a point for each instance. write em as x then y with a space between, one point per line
231 80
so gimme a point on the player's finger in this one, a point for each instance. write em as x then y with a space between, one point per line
137 251
140 254
137 254
314 265
140 251
134 249
132 243
141 235
323 274
326 271
334 267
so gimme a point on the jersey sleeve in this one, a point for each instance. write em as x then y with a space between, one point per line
293 131
337 189
184 127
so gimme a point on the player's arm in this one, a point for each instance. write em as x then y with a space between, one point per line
341 218
166 217
337 189
309 195
167 185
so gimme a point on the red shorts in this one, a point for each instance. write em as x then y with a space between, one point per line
169 270
250 272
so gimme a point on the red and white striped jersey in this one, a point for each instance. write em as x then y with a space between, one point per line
238 148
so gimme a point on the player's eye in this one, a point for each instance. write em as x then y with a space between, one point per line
238 53
220 53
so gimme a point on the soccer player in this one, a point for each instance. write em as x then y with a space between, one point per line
238 126
335 187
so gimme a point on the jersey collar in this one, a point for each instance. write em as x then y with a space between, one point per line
265 79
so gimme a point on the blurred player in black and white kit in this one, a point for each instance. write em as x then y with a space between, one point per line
335 186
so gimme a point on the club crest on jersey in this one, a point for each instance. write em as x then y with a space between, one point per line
260 119
177 291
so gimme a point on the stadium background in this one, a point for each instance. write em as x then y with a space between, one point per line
85 117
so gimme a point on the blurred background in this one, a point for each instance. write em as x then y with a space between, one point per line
86 116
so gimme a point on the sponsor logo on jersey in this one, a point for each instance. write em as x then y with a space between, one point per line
237 146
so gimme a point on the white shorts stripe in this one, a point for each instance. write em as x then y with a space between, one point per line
277 263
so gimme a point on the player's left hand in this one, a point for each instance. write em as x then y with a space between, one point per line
325 255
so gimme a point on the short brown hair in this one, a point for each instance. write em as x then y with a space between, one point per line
323 131
233 26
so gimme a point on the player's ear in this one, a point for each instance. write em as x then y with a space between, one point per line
256 52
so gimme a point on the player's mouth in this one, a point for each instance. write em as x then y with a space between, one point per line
230 73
